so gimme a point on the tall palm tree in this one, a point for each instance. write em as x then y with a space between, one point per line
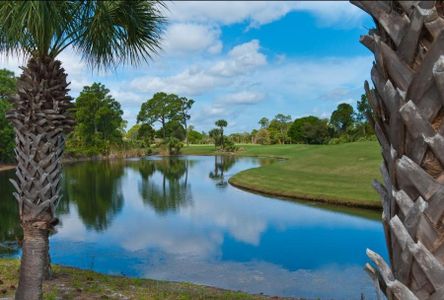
104 33
221 124
407 100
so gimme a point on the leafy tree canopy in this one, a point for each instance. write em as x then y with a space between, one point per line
7 83
7 143
99 118
278 128
342 118
195 137
175 129
309 130
133 132
264 122
263 137
162 108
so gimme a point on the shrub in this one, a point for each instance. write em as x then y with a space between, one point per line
230 146
170 146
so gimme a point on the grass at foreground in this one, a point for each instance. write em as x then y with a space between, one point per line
340 174
70 283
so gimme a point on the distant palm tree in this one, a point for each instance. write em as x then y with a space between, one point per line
104 33
407 102
221 124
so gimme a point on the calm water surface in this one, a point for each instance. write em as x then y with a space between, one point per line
179 219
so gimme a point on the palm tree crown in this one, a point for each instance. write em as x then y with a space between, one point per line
105 33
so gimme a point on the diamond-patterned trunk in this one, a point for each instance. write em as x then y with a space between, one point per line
40 117
407 101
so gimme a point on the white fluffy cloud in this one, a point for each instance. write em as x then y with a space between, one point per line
190 82
196 80
183 38
241 59
195 25
243 98
330 13
261 12
319 78
322 82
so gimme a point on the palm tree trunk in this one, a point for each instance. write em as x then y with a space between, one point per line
407 99
35 249
222 137
40 118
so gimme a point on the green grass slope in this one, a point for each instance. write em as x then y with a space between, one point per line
340 174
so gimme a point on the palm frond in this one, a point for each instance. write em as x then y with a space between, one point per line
104 33
116 32
29 27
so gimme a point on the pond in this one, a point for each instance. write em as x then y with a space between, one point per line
179 219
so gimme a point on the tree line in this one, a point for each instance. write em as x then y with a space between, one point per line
100 127
344 125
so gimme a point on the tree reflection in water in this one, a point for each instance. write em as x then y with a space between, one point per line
222 164
95 187
169 193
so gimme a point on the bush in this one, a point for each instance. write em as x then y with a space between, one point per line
230 146
309 130
7 136
340 140
170 146
263 137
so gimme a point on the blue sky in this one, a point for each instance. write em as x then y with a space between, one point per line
244 60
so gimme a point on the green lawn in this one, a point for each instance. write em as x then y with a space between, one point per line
332 173
70 283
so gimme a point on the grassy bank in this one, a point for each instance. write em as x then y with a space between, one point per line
69 283
340 174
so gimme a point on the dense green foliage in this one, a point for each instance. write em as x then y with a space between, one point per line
364 117
10 229
194 137
99 121
264 122
172 113
7 143
344 125
262 137
100 128
162 108
278 129
342 118
222 142
309 130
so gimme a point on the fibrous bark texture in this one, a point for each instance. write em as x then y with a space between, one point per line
41 119
408 105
